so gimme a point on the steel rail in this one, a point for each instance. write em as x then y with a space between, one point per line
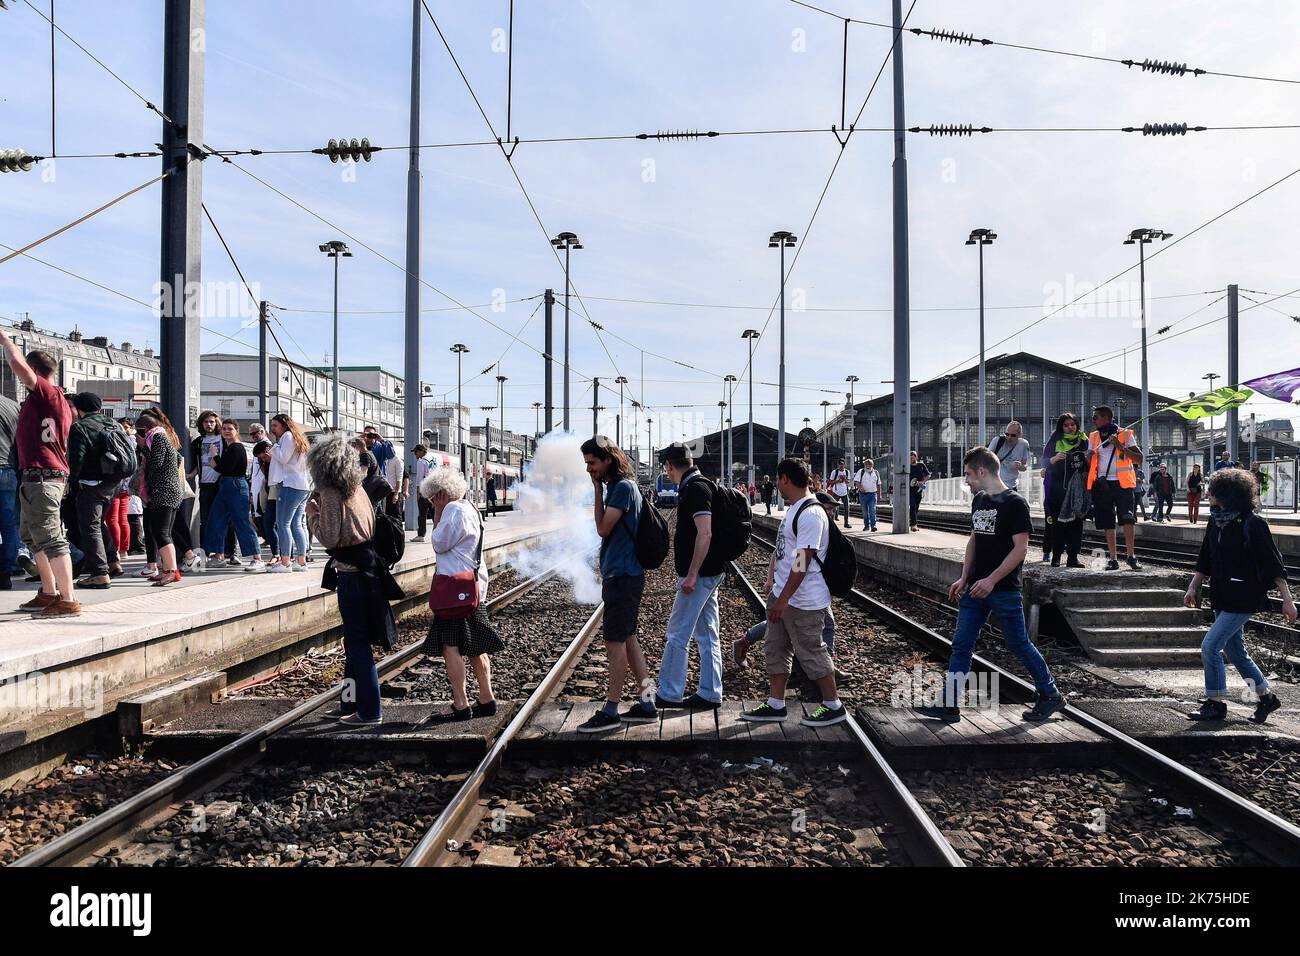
435 847
119 820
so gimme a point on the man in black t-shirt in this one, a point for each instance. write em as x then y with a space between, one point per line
990 581
695 605
918 475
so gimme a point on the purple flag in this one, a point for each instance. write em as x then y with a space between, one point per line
1280 385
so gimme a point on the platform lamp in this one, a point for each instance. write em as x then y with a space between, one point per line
336 249
782 240
1140 238
750 335
981 238
460 351
568 242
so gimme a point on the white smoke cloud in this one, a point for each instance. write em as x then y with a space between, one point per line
556 486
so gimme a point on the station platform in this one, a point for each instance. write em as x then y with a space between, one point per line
132 638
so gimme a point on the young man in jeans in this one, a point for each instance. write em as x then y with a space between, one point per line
990 582
797 602
94 494
618 516
868 481
695 605
41 443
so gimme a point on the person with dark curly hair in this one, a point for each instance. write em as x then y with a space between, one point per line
1239 555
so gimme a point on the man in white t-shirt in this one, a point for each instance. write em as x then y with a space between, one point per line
425 505
867 480
1013 454
797 603
839 483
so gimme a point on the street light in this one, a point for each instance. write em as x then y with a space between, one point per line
1211 376
722 405
537 420
750 335
1140 238
501 402
336 249
781 240
650 443
618 422
826 404
729 383
460 351
981 238
853 416
568 242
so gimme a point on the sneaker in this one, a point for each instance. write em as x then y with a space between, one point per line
600 722
639 713
197 563
258 566
823 716
417 540
278 568
337 713
1133 564
739 648
452 716
696 702
1112 565
765 713
662 704
147 572
1056 562
484 710
297 567
98 582
356 720
1267 704
1044 707
1210 710
949 715
40 602
28 565
233 562
1074 563
59 609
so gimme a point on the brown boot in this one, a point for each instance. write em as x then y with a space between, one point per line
40 602
59 609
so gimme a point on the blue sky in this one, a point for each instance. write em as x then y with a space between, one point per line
287 74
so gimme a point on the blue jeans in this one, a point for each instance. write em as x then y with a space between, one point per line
230 507
694 615
1164 507
8 520
868 501
971 615
268 527
361 690
291 521
1225 637
759 631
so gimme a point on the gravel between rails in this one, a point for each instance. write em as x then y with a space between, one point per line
1042 817
37 811
685 812
1268 775
300 815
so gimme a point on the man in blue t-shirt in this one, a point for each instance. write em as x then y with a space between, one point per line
618 515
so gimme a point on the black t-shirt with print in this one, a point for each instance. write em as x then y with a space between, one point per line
694 498
995 520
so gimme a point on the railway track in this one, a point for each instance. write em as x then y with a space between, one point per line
1274 838
162 800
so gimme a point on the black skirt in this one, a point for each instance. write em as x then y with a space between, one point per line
470 635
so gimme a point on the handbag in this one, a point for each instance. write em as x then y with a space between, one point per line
456 596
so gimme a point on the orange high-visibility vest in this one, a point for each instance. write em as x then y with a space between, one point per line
1123 464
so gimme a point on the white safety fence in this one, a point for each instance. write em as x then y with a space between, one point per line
953 491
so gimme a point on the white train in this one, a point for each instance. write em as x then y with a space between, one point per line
477 472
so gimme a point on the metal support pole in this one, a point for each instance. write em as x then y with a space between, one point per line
750 437
902 321
780 401
549 360
263 362
567 253
1146 397
334 420
595 405
411 394
460 418
948 431
181 251
1232 371
983 435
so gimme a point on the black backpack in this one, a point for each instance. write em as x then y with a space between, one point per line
840 569
732 521
390 539
652 537
115 454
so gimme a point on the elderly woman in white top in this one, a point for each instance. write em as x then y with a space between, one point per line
457 529
293 486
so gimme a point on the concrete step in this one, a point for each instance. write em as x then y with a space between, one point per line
1141 617
1137 637
1147 656
1119 598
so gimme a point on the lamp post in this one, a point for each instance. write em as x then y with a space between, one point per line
568 242
730 383
722 443
782 240
650 442
1210 377
750 335
618 422
948 427
826 404
1140 238
981 238
537 420
336 249
501 404
460 351
853 415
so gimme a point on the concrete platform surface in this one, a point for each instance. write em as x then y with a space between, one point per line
1162 723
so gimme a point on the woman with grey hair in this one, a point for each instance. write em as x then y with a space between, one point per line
346 526
457 546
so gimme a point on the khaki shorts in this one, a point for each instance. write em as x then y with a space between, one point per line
797 634
39 525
